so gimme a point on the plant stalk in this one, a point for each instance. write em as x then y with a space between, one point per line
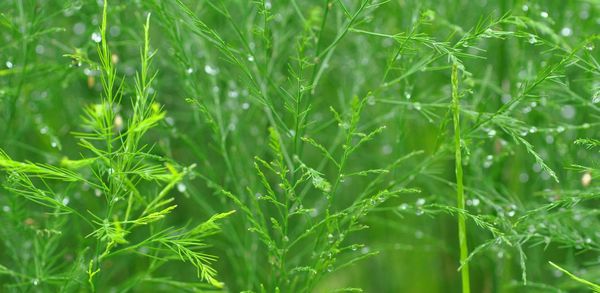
460 192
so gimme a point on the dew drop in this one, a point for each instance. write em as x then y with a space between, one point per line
491 132
233 94
189 70
245 106
589 47
566 31
96 37
596 98
9 65
6 209
532 39
39 49
420 201
544 14
79 28
250 58
560 129
586 179
181 187
371 100
210 70
568 111
35 282
523 177
330 238
66 201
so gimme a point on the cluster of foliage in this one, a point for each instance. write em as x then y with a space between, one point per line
299 146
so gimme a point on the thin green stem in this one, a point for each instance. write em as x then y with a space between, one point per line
460 192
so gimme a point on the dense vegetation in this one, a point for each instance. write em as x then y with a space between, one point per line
299 146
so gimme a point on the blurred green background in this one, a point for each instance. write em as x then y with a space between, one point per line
405 75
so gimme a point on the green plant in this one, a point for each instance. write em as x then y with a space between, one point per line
357 141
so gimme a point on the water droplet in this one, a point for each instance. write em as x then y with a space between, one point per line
189 70
586 179
489 160
250 58
420 201
523 177
286 239
596 98
35 282
79 28
386 149
532 39
245 106
589 47
525 7
491 133
371 100
417 106
6 209
475 202
44 130
566 31
268 5
66 201
9 65
54 144
115 31
403 207
96 37
210 70
233 94
560 129
330 268
511 213
407 95
533 129
544 14
419 212
549 139
365 250
568 111
330 237
97 192
39 49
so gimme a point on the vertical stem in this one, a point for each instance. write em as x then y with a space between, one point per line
460 193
